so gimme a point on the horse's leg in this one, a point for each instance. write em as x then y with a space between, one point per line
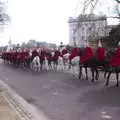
23 64
55 66
69 65
105 74
107 81
92 70
86 73
117 76
31 65
80 71
50 65
97 74
38 67
41 65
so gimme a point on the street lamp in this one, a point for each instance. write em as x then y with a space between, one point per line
61 45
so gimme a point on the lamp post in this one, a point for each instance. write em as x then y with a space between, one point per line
61 45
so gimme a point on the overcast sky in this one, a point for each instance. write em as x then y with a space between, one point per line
43 20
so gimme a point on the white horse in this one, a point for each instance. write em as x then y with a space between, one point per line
75 65
60 63
35 64
45 64
66 60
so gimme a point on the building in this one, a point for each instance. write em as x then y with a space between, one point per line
52 45
87 28
72 28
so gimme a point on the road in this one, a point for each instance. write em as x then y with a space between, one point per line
62 97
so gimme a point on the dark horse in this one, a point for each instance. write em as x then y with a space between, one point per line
94 65
109 69
90 63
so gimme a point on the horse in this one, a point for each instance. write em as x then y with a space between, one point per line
91 63
34 62
94 65
53 61
66 59
110 69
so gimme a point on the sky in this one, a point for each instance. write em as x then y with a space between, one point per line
42 20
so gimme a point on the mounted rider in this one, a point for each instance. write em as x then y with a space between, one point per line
57 54
63 52
100 54
86 55
34 53
115 60
43 54
73 53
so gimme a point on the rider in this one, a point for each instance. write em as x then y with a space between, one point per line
57 54
87 54
73 53
115 60
43 55
100 54
63 52
35 53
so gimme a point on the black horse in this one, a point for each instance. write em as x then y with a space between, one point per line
94 65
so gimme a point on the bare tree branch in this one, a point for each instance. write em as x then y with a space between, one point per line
118 1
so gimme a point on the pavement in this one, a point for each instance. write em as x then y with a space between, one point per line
61 96
14 107
6 112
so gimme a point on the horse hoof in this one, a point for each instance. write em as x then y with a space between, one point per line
97 79
92 81
106 84
117 85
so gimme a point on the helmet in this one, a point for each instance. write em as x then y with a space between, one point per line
99 44
86 44
119 43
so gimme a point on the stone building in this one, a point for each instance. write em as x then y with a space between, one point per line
88 28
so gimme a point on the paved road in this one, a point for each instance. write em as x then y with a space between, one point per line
61 97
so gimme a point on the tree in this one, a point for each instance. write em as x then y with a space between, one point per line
118 1
115 34
114 37
4 17
117 8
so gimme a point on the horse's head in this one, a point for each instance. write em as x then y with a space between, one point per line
53 53
45 58
80 51
66 55
110 53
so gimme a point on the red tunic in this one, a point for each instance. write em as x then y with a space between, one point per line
43 54
87 53
64 51
16 53
115 60
22 56
26 54
74 53
18 56
57 54
100 54
35 53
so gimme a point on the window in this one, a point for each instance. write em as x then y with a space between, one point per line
82 37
